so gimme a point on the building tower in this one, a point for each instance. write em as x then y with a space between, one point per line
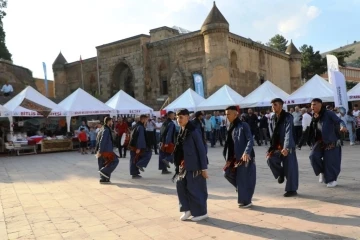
215 30
295 66
60 82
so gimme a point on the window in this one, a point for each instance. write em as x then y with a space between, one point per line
233 60
164 86
262 79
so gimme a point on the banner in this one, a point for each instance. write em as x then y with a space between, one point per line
199 84
332 65
45 79
28 104
339 85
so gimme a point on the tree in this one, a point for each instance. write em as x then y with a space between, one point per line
278 42
342 55
355 63
4 52
350 85
311 62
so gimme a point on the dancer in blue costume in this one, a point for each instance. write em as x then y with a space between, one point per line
167 139
281 156
240 168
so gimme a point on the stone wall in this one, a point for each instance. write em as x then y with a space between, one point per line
129 52
18 77
250 62
40 86
174 61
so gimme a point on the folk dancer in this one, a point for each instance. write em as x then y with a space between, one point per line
167 139
107 159
200 125
191 165
325 156
281 156
140 151
240 168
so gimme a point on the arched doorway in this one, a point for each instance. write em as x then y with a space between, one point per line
122 78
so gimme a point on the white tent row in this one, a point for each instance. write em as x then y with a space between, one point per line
262 96
189 100
221 99
4 112
123 103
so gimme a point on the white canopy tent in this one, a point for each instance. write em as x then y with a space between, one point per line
189 100
354 93
221 99
81 103
316 87
29 93
123 103
4 112
262 96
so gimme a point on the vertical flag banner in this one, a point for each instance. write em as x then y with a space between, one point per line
332 65
82 75
339 85
199 84
45 79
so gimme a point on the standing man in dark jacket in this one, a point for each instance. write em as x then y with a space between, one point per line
167 139
140 148
191 170
281 156
263 128
107 159
253 120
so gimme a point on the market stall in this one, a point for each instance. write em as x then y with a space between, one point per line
354 93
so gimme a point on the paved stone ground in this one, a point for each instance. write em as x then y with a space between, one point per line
57 196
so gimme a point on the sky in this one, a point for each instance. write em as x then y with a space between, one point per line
37 30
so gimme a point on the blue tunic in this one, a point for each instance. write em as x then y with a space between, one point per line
105 144
327 161
169 138
192 188
244 176
281 165
145 157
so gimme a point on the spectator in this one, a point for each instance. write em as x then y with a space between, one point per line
7 89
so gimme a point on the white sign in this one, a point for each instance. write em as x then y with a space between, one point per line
332 65
339 84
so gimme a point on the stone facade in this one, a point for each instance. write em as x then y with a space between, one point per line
18 77
160 65
40 86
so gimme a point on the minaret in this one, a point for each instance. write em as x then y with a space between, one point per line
295 66
215 30
60 82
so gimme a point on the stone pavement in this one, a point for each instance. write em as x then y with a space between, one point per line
57 196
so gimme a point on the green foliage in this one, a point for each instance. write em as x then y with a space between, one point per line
355 63
4 52
350 85
341 55
278 42
311 62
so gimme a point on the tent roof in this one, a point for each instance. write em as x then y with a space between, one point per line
189 100
262 96
354 93
125 104
4 111
30 93
221 99
82 103
316 87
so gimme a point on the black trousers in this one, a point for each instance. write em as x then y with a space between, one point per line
151 140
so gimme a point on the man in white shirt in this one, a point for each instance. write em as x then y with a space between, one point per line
356 111
7 89
305 122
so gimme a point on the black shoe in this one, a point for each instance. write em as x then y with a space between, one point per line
299 148
140 168
167 164
124 156
280 179
165 172
137 176
290 194
104 181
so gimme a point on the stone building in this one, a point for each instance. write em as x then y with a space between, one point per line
160 65
18 77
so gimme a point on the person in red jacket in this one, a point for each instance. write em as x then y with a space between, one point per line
121 128
83 139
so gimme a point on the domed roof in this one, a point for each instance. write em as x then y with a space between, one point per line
215 16
291 49
60 59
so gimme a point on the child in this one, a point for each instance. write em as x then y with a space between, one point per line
83 140
92 140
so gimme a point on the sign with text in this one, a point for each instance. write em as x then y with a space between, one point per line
198 84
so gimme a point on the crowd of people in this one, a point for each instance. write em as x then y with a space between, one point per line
184 144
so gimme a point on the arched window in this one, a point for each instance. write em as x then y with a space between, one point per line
233 59
261 58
